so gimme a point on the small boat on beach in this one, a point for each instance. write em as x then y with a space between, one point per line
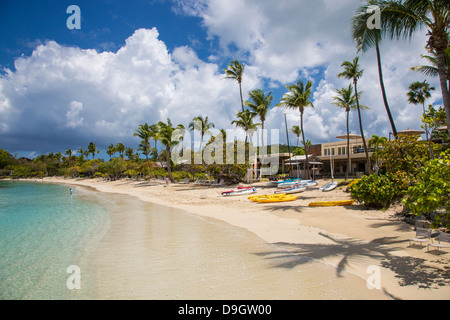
292 183
296 189
273 198
329 186
238 192
331 203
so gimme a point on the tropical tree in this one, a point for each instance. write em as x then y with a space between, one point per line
346 99
111 151
352 72
260 103
417 94
203 125
366 38
92 149
235 71
120 148
401 19
245 122
129 152
297 131
166 136
68 153
298 97
431 69
145 134
376 142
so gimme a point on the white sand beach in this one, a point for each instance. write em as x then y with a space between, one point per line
351 238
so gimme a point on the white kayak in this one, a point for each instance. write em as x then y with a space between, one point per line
296 189
329 186
238 192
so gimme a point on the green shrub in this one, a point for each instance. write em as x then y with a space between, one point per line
378 191
431 192
181 175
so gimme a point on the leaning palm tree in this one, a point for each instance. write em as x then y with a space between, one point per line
346 99
203 125
402 18
166 136
366 38
298 97
352 72
235 71
260 103
144 133
297 131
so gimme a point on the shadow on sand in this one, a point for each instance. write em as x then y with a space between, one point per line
410 271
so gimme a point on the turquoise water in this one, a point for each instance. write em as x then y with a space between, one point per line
43 231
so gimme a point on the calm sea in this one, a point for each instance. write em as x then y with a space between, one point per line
44 231
124 248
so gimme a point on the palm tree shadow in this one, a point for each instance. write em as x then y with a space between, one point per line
409 271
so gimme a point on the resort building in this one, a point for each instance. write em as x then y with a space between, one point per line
335 154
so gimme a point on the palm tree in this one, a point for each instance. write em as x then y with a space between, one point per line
120 148
144 133
235 71
418 93
111 150
346 100
401 19
366 38
69 153
154 134
92 149
376 142
202 125
166 135
430 70
129 152
298 97
245 122
260 103
297 131
352 72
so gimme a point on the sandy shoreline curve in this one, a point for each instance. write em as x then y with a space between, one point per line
358 241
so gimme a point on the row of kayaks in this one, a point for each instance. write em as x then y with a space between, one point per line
287 192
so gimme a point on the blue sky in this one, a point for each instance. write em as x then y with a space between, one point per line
143 61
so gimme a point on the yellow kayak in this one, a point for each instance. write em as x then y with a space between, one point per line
267 196
275 198
331 203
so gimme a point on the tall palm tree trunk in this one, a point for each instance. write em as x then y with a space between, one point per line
442 71
361 127
304 145
242 99
383 90
348 151
169 168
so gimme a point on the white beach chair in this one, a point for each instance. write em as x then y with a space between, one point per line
422 236
442 236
